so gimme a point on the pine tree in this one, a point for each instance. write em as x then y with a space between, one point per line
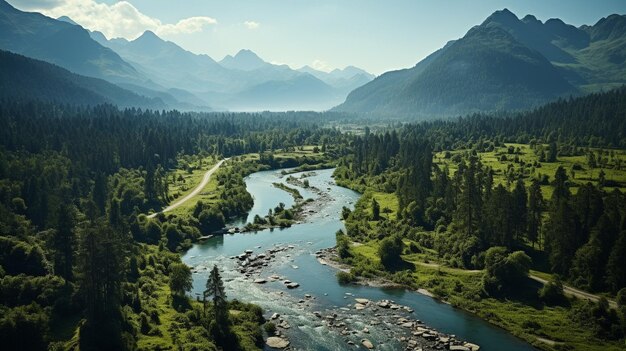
519 202
468 214
64 242
615 268
535 206
215 290
375 210
219 325
552 153
99 192
102 270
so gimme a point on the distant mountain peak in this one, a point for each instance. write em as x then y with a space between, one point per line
245 60
503 16
148 35
246 53
528 19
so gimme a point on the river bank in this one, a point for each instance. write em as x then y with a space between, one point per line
262 282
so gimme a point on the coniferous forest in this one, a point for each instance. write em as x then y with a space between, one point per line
155 198
79 251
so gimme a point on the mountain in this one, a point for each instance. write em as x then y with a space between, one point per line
62 43
344 80
240 82
303 92
244 60
505 63
166 63
591 57
24 78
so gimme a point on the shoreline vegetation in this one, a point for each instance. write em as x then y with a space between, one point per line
420 267
81 264
452 295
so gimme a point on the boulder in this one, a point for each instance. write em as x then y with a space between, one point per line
362 301
276 342
260 281
458 348
367 344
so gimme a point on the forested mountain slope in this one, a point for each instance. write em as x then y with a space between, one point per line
28 79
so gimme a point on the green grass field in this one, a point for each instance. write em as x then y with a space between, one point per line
578 171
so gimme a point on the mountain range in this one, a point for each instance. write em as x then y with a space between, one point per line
505 63
160 69
242 82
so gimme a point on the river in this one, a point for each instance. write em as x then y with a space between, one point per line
299 264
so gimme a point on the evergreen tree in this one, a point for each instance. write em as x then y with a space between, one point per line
375 210
219 325
519 201
99 192
180 279
615 268
64 242
102 270
535 206
553 152
468 214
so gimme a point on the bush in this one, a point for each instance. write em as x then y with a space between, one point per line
343 245
504 272
390 250
345 277
552 292
270 328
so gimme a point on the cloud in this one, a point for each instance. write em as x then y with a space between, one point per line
321 66
251 24
35 4
187 25
120 19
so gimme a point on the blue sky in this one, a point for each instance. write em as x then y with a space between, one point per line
375 35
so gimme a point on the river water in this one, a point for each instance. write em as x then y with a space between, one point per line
299 264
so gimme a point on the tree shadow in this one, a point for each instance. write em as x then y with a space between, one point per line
400 265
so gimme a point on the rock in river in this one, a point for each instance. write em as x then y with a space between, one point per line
276 342
367 344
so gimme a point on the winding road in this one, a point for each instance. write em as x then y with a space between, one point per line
194 192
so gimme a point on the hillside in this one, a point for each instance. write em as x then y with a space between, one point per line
61 43
486 70
505 63
27 79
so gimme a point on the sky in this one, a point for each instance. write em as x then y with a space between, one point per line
377 36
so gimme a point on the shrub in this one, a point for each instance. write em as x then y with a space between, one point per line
345 277
552 292
270 328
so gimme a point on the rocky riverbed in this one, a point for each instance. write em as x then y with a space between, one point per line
361 323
